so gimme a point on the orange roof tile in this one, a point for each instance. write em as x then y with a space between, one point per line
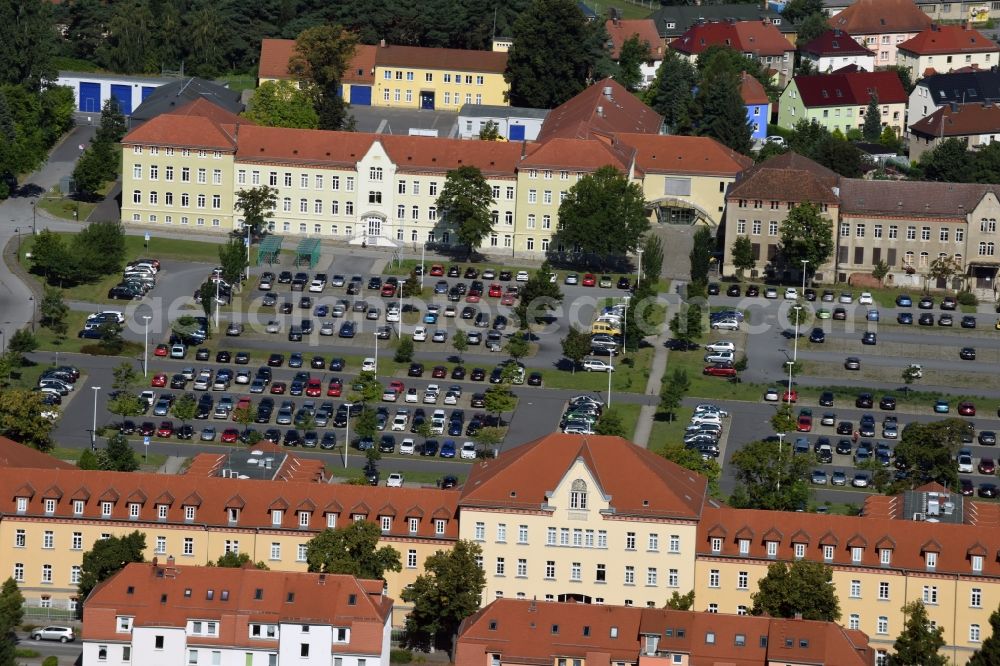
293 468
638 482
963 120
669 153
757 37
941 39
620 31
869 17
577 155
166 595
14 454
752 91
605 107
465 60
178 130
178 491
275 54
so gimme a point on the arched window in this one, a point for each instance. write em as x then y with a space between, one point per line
578 495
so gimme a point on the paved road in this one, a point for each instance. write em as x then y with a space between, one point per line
66 652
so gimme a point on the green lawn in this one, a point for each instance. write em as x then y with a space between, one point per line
153 463
66 208
717 388
49 341
672 432
630 378
239 82
629 414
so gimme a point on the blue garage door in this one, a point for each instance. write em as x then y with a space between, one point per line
361 95
90 97
147 91
516 133
124 96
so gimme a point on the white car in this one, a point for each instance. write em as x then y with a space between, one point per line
273 326
317 286
326 328
419 334
411 395
721 346
720 357
431 394
791 294
706 417
917 370
368 365
117 315
964 463
395 480
451 398
770 292
450 311
400 421
440 335
597 365
866 298
243 377
522 276
846 298
726 325
469 451
709 408
392 314
407 447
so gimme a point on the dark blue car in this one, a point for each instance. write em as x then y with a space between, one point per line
347 329
448 448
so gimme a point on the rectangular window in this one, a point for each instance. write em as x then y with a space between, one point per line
677 187
673 577
893 232
501 566
522 534
742 580
976 597
77 543
883 590
550 569
930 594
855 589
575 571
161 545
772 548
713 578
411 559
882 626
629 574
885 556
275 550
188 546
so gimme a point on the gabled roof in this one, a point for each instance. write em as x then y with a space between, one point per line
213 101
13 454
752 91
963 87
942 39
674 20
605 107
869 17
275 54
835 43
637 481
787 177
188 131
620 31
756 37
911 198
697 155
850 88
962 120
466 60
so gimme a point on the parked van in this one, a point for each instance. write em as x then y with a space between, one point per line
605 328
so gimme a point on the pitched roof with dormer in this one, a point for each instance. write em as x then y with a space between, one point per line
199 124
752 91
962 120
672 153
871 17
913 198
674 20
834 43
637 482
947 39
256 500
620 31
163 594
787 177
606 107
276 53
850 87
760 38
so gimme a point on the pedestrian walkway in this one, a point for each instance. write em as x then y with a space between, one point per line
647 413
172 465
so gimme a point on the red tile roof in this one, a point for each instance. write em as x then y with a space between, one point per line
870 17
166 595
846 88
536 632
757 37
293 468
606 108
584 155
787 177
188 131
907 539
211 500
964 120
752 91
275 54
670 153
465 60
14 454
414 154
637 481
835 43
622 30
941 39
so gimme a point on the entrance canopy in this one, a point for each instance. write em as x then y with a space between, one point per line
269 250
307 252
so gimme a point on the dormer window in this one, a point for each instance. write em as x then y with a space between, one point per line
856 552
331 520
716 544
22 504
189 512
77 507
386 523
276 517
161 511
800 551
977 563
303 519
885 556
133 510
828 553
744 546
358 517
234 514
106 509
50 506
772 548
414 525
439 526
930 559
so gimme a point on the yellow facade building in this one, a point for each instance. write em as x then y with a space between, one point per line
416 77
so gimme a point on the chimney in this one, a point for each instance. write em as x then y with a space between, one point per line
381 43
798 616
609 92
600 112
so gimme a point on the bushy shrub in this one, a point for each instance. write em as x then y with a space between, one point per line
395 657
967 298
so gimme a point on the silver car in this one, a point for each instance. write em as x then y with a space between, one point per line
54 633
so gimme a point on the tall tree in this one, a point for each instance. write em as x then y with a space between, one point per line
988 653
231 560
233 259
257 206
722 114
352 550
611 423
556 52
28 44
118 455
806 235
671 94
11 606
811 27
682 602
693 460
918 644
21 418
282 104
539 295
184 408
449 590
633 55
125 376
949 161
576 346
464 204
701 255
107 557
460 341
797 10
498 400
672 392
598 202
799 587
742 255
769 477
872 128
112 126
54 311
128 46
928 450
322 54
686 325
651 262
98 250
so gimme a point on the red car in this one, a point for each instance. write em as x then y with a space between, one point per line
508 299
473 297
335 388
278 388
159 380
966 409
805 423
437 270
166 429
789 396
388 290
314 388
230 435
440 372
496 291
589 280
161 350
719 370
987 466
397 386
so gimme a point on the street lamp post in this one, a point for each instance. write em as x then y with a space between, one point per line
611 370
34 312
790 364
145 347
781 439
217 303
34 217
376 351
795 348
625 327
423 269
804 263
17 230
638 276
347 431
93 430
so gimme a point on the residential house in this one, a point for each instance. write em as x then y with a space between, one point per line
964 87
839 101
943 48
621 30
672 21
835 49
358 79
593 519
759 40
881 25
758 105
760 201
160 613
978 124
51 517
957 11
513 123
512 632
416 77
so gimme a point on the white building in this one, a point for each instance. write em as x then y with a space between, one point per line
163 615
92 89
514 123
